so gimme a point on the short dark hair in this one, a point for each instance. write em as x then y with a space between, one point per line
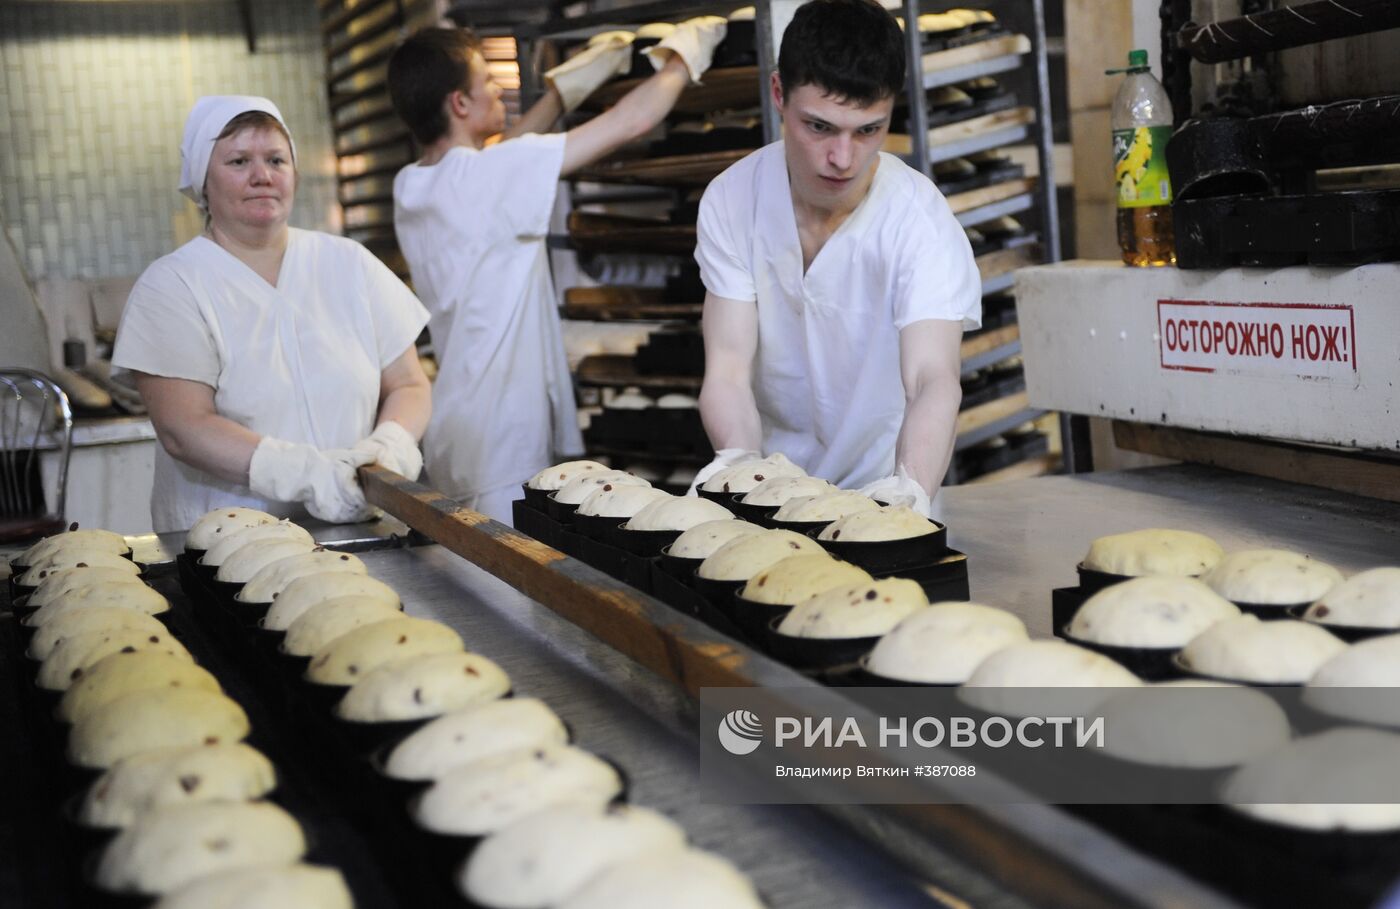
429 65
850 49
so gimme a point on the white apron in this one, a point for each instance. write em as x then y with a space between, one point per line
826 375
473 229
300 361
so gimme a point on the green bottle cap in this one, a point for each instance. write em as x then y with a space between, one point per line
1137 63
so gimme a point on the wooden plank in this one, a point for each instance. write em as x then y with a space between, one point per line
681 652
976 198
990 340
613 295
735 86
622 312
901 144
1359 473
975 53
995 264
985 414
611 233
1021 470
616 370
673 170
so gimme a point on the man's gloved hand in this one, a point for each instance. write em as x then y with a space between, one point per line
323 480
393 448
694 41
608 54
724 458
900 489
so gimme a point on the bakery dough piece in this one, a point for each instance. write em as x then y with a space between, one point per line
1150 612
321 624
268 583
855 611
1034 678
944 643
778 490
888 522
473 733
620 501
744 477
826 507
355 654
1172 724
69 579
629 400
131 594
482 797
1142 552
675 401
541 859
213 526
244 563
72 656
1272 577
581 487
742 558
1318 783
172 776
86 540
65 559
678 513
555 477
273 886
743 14
1370 599
938 23
169 847
156 718
674 878
800 577
1357 683
702 540
419 687
1244 649
279 530
128 671
311 589
84 621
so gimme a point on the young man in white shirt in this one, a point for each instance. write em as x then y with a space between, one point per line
472 220
838 280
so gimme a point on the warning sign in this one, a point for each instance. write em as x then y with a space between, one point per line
1283 340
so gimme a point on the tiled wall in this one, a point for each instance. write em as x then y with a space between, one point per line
93 98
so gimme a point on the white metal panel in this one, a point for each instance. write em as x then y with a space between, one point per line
1092 345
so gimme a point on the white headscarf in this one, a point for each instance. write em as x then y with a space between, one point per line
202 127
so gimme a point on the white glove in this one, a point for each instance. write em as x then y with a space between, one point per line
323 480
579 76
900 489
724 458
694 41
393 448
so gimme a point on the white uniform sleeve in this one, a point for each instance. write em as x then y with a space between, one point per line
397 314
723 257
516 181
938 277
162 331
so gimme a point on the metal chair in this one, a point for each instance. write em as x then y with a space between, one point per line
34 415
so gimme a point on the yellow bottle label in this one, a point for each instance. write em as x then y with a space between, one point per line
1140 166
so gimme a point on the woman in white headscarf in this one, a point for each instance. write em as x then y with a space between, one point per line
274 361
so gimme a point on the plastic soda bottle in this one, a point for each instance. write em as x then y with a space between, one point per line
1142 124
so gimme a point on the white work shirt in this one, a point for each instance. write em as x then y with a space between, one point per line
473 228
300 361
826 375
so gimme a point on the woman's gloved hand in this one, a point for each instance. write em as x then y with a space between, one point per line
724 458
608 54
322 480
900 489
393 448
694 41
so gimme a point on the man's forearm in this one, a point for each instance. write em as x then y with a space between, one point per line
410 407
925 443
540 117
730 415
